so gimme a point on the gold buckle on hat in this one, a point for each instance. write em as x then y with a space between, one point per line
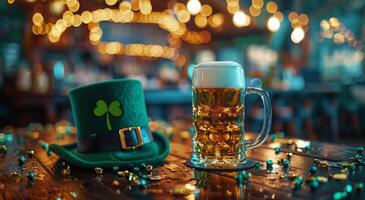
137 131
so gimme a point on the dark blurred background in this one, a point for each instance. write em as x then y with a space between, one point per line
309 55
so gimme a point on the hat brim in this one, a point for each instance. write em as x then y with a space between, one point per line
151 153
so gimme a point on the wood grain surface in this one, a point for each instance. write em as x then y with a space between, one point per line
177 180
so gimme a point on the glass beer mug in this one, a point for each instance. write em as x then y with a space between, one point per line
218 116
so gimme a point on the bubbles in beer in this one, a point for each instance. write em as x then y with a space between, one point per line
218 121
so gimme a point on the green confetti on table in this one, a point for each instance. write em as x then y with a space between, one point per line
192 132
73 194
308 147
348 188
45 146
142 183
273 137
21 160
314 184
339 195
298 181
269 162
313 169
285 163
257 165
31 175
277 150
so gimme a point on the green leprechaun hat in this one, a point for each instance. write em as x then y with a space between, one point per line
112 127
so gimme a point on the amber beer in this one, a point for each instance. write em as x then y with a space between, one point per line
218 120
218 115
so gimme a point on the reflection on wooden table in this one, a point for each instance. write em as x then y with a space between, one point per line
338 172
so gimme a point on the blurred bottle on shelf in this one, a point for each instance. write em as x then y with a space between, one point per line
24 78
40 79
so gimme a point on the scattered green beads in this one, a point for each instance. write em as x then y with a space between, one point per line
142 183
277 150
339 195
257 165
285 163
243 176
192 132
313 169
348 188
308 147
298 182
31 176
273 137
45 146
269 164
314 184
21 160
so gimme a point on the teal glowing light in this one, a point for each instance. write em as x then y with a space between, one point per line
190 70
58 70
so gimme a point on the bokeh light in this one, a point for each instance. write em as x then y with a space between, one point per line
240 19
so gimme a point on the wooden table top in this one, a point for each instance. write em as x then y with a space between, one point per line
176 180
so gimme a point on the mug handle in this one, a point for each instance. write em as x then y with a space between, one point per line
266 126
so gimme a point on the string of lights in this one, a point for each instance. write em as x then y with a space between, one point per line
173 19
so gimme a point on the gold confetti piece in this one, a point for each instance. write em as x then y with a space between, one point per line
98 170
14 176
323 164
172 167
345 164
310 178
40 176
272 177
155 191
285 141
66 171
132 178
183 189
124 173
155 177
339 176
322 179
184 135
292 175
115 183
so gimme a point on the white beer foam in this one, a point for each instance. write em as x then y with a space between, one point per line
218 74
